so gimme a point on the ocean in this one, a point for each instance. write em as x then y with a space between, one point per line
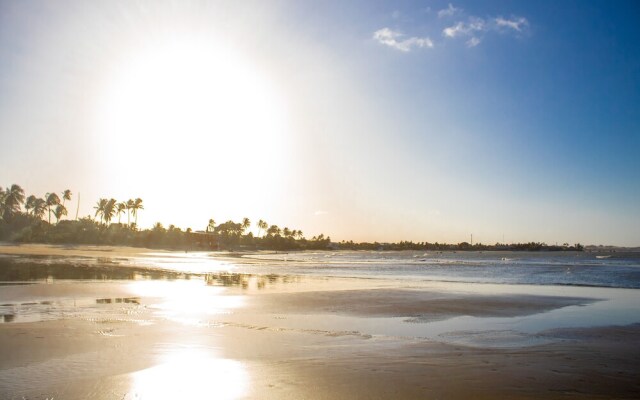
612 270
616 270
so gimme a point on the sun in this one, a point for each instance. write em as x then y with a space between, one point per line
187 110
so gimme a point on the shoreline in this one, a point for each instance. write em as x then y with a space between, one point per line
276 336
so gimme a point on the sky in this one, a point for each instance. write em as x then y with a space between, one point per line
513 121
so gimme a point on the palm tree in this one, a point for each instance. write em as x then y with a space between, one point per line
245 224
120 208
137 205
59 212
66 195
286 232
39 208
157 227
52 199
262 225
100 206
212 226
29 203
12 199
274 230
130 204
109 210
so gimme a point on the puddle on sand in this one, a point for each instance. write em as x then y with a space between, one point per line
65 308
126 300
252 281
184 301
49 269
494 339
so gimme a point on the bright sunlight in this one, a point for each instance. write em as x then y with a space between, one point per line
181 108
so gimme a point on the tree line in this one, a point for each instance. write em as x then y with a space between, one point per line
28 219
463 246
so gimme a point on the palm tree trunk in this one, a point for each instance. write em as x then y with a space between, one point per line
78 206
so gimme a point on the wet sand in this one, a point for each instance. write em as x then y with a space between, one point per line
36 249
273 337
418 303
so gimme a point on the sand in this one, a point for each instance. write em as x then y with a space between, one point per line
285 338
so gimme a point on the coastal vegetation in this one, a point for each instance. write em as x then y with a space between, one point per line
27 219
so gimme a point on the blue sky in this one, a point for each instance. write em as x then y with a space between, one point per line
374 120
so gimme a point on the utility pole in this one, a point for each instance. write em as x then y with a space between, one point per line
78 207
472 239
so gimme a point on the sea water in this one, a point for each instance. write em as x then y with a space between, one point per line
613 269
618 270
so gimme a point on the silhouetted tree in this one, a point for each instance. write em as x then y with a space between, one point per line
52 199
109 210
30 203
245 224
137 206
12 200
39 208
130 205
262 225
100 206
66 195
120 209
59 212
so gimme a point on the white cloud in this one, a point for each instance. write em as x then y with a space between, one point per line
449 11
476 24
386 36
454 30
473 42
394 39
476 27
463 29
471 29
516 24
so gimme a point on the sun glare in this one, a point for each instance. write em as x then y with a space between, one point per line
190 373
190 301
180 110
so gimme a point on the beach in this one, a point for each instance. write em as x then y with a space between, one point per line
112 323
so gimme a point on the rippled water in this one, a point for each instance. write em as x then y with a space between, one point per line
620 270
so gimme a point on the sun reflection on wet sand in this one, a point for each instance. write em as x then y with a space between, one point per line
186 301
190 373
187 371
